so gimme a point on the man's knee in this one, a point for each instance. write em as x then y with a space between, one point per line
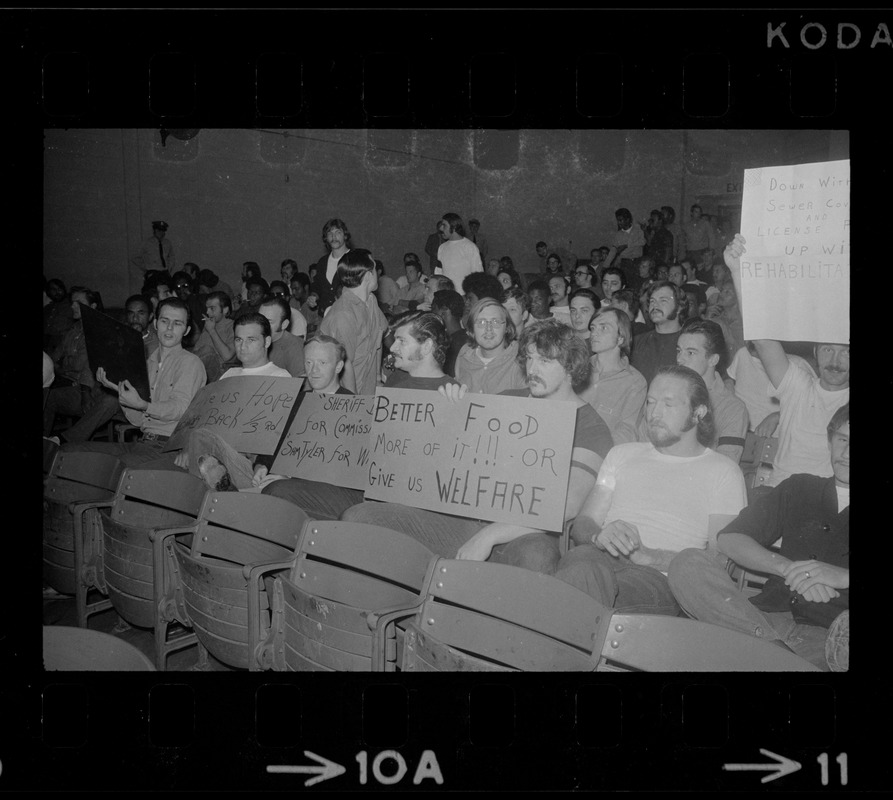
687 565
538 552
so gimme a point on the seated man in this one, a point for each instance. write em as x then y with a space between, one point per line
139 316
433 285
702 348
215 345
517 303
653 500
556 366
286 351
657 347
450 307
490 365
74 391
616 390
175 375
420 347
807 402
809 577
252 338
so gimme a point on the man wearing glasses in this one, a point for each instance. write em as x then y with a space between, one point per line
490 365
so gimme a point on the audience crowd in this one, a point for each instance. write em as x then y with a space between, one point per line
645 337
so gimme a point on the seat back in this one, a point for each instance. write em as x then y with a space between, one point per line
757 459
235 529
50 450
96 470
147 499
345 571
508 617
656 643
73 478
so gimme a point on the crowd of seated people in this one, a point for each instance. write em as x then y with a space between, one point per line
644 337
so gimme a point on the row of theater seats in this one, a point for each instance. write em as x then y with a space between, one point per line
252 581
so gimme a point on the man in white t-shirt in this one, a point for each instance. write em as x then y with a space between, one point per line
652 500
252 339
807 402
458 256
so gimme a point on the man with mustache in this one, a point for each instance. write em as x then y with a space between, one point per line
555 364
809 574
652 500
657 348
807 402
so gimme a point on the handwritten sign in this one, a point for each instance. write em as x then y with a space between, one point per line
328 440
249 413
795 274
503 459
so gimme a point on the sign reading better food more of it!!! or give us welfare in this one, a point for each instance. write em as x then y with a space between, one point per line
328 441
250 413
502 459
795 275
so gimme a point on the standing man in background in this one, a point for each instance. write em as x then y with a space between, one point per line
157 254
458 256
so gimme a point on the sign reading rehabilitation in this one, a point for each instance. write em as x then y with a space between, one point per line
249 413
795 275
504 459
328 440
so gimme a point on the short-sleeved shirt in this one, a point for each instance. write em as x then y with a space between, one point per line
590 432
803 512
670 498
806 409
459 257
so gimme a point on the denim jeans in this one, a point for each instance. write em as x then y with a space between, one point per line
701 583
617 582
444 534
133 454
318 500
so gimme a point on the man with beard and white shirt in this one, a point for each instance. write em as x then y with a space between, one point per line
458 255
556 366
652 500
657 348
807 402
809 574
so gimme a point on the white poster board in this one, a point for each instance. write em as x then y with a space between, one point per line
795 275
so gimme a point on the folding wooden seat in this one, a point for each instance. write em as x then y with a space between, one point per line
478 616
130 565
74 482
208 577
325 609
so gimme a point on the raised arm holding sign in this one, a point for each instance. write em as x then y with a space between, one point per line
807 403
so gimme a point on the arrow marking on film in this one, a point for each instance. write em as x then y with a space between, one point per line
783 766
325 769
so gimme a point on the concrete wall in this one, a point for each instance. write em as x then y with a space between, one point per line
237 195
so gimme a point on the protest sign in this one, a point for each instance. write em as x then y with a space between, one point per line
249 413
328 440
795 275
490 457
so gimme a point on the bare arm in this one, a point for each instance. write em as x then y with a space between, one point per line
480 545
750 554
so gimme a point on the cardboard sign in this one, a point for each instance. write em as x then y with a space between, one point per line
504 459
117 348
795 275
249 413
328 440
